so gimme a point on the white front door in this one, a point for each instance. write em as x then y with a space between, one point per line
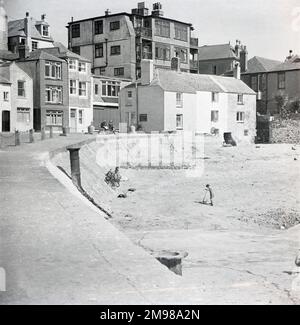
73 120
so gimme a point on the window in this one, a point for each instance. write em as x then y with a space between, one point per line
82 67
45 31
53 70
281 80
181 53
129 94
6 96
54 118
143 118
73 87
240 99
181 32
23 115
99 50
75 30
54 94
115 50
215 97
215 116
72 64
179 100
82 89
96 89
254 83
162 53
110 88
246 133
99 27
76 49
179 122
80 116
21 88
240 117
162 28
34 46
119 71
102 71
115 25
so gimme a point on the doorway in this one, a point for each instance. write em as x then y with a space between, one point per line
73 120
6 121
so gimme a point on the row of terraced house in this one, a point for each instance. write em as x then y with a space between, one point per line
80 84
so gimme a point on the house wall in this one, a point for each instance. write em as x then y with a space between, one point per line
223 65
151 102
78 103
125 37
188 110
4 105
17 74
238 128
292 89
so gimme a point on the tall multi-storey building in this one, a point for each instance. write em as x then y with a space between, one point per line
116 43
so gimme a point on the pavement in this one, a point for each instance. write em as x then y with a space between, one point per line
56 249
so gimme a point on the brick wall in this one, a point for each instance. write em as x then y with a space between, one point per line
285 131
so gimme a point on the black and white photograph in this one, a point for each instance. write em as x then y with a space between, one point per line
149 155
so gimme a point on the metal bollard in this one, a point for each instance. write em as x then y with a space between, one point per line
51 132
75 165
31 136
17 138
43 134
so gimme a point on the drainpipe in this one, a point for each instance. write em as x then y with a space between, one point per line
137 103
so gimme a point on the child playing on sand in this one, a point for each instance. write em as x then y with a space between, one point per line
211 194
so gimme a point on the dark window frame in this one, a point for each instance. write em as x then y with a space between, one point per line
115 47
118 73
114 25
99 50
98 25
75 31
143 118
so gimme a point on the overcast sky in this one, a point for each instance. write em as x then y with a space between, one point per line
270 28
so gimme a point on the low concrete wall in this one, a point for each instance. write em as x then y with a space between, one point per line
285 131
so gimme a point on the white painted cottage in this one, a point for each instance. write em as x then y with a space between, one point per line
166 100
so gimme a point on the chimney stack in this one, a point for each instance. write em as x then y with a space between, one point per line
238 48
147 67
107 12
43 17
244 59
27 29
237 71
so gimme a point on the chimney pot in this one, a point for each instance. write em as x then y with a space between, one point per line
27 14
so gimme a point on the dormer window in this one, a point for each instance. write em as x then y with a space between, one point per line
45 31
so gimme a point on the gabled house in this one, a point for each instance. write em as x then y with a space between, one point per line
16 98
166 100
29 31
268 78
51 89
221 59
80 87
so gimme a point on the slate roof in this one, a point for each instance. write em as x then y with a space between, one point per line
16 28
7 55
4 81
286 66
258 64
173 81
59 50
214 52
41 54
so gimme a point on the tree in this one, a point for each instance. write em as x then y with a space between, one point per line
282 101
295 105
